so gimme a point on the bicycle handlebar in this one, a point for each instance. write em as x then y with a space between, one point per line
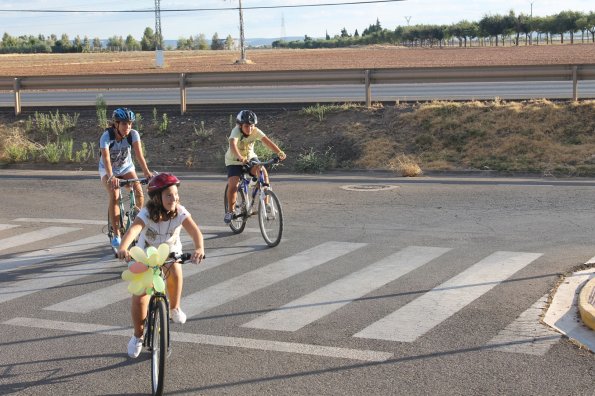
180 257
256 162
125 182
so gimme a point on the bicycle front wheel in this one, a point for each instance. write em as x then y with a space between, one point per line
270 219
238 222
159 346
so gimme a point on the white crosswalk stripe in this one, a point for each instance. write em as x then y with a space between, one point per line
111 294
406 324
7 226
34 236
39 256
247 283
305 310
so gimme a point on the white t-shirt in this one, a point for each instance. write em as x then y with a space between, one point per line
168 231
120 153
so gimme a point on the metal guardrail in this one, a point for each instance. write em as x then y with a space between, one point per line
365 77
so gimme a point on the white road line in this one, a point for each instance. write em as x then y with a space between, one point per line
7 226
307 309
60 221
56 278
235 342
527 334
265 276
117 292
40 256
34 236
424 313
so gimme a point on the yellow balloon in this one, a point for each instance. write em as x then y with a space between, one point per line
163 253
138 254
147 278
127 275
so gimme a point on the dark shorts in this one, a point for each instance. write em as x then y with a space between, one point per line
236 170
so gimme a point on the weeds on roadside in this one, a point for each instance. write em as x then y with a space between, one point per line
51 124
201 131
319 111
405 165
155 121
15 152
314 162
101 112
138 123
164 124
264 153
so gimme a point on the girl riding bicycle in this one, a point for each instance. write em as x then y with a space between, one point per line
241 151
160 222
115 163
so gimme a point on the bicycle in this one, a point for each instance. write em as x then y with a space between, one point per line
252 199
127 208
156 338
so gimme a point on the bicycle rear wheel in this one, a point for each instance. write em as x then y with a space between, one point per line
159 332
238 223
271 220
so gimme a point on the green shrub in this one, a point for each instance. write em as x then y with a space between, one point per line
314 162
101 111
16 152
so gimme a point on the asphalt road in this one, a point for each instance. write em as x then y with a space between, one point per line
424 286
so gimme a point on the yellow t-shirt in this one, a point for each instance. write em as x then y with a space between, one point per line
245 145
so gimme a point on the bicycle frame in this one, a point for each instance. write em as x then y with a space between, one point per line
127 215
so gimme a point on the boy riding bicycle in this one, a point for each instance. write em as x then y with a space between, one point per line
116 145
241 151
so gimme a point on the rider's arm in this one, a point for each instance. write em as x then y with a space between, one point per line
138 152
107 163
274 148
233 145
196 235
135 229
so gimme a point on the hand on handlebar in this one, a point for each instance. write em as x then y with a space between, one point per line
197 256
123 254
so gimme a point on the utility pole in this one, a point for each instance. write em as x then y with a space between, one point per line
242 47
408 18
158 37
531 26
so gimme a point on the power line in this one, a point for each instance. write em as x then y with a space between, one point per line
204 9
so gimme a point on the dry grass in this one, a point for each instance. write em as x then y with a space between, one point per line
536 136
405 165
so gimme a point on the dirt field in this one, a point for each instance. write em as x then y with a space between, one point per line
267 60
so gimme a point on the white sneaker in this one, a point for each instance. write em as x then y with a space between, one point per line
135 346
178 316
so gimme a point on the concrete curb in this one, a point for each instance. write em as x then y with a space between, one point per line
586 304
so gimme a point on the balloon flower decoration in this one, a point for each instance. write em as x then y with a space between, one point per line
144 273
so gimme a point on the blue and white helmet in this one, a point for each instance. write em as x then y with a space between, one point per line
246 117
123 114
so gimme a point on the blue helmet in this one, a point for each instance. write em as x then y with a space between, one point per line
123 114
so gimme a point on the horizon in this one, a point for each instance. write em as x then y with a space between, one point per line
270 23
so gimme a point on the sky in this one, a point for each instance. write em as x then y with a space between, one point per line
258 23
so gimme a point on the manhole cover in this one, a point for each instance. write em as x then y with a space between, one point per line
368 187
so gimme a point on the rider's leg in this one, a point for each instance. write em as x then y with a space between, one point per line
232 192
138 312
113 209
175 281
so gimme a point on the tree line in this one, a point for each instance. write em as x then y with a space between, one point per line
149 42
491 30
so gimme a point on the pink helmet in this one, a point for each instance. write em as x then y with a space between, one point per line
162 181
